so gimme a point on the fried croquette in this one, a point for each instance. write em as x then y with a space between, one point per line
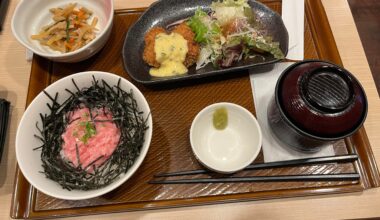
149 55
193 47
185 31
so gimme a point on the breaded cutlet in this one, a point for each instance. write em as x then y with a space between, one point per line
193 47
184 30
149 55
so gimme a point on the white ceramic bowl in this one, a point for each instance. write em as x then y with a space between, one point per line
29 160
228 150
30 16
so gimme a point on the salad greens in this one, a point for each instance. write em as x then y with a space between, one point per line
227 34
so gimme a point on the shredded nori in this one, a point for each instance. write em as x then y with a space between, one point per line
127 118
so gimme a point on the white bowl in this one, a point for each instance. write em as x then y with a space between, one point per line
29 160
30 16
228 150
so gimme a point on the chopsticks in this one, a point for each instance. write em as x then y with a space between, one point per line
287 163
4 114
3 10
322 177
279 178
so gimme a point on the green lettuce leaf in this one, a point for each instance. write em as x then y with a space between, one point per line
199 28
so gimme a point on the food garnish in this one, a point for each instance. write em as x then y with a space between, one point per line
70 29
100 118
220 118
229 33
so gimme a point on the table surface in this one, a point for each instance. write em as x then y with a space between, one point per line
14 78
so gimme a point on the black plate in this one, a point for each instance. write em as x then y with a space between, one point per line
165 12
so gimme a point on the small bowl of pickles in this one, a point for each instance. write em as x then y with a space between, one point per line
225 137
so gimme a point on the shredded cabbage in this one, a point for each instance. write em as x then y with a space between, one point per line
229 3
228 10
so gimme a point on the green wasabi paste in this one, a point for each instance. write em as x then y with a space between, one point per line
220 118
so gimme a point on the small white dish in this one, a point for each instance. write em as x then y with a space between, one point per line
228 150
29 160
30 16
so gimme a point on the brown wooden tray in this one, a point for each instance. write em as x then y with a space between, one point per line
173 108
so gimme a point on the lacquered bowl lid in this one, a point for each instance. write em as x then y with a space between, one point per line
321 99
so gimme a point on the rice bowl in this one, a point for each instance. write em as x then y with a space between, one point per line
29 160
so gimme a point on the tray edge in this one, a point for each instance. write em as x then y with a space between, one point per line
317 17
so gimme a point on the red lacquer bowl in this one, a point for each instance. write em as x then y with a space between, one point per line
316 103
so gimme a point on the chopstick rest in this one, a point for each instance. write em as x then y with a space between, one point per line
4 115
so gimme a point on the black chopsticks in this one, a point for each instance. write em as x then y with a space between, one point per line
3 11
281 178
322 177
4 115
287 163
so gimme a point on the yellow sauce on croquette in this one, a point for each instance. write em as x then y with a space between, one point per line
171 50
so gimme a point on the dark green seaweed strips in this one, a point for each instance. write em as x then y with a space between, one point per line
127 117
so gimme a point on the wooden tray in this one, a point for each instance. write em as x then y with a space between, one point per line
173 108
